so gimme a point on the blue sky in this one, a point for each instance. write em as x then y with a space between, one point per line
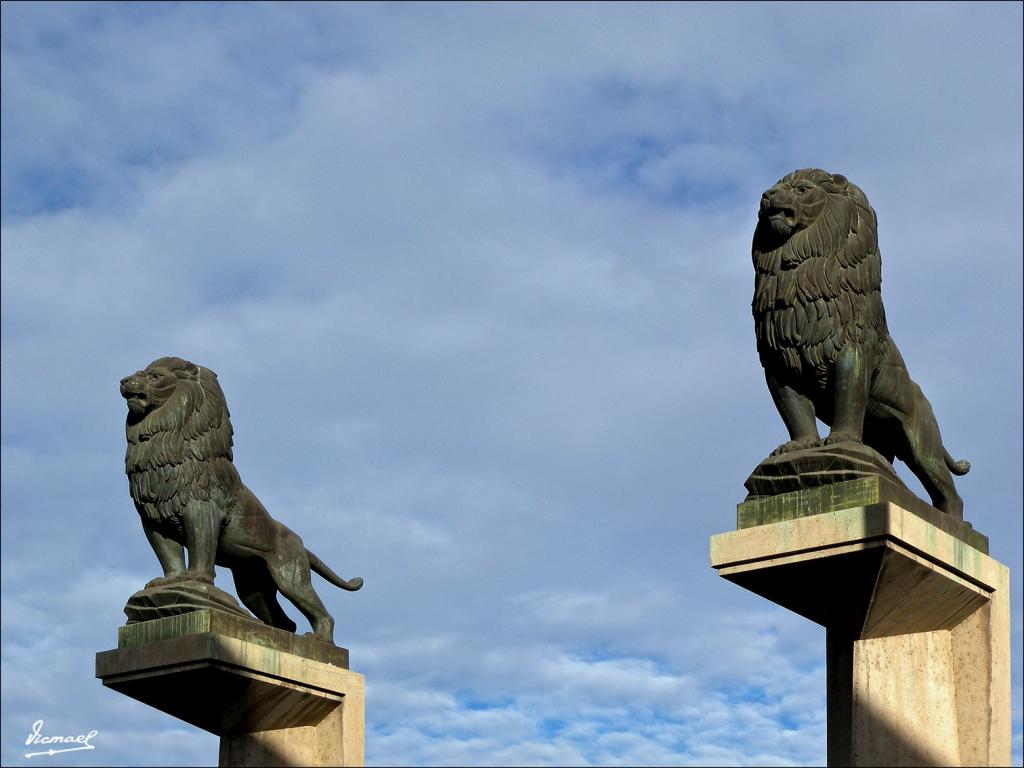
476 282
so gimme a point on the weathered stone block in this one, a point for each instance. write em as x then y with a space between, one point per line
871 489
917 623
272 697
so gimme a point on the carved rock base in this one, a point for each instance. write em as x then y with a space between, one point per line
815 467
178 598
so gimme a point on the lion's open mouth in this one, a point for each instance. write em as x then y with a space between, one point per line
137 404
136 400
787 215
782 221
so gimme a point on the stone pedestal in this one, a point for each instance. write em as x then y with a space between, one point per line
917 618
274 698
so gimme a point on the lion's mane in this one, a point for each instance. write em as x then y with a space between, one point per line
820 289
180 452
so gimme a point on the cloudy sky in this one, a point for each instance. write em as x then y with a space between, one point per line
476 282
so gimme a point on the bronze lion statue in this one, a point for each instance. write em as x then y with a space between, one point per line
822 336
189 496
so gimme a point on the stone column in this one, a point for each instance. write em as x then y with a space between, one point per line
917 618
274 698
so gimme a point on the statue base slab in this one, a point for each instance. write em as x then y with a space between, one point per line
861 478
274 698
917 627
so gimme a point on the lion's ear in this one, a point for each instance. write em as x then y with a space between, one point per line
840 181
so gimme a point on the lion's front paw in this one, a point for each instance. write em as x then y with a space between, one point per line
795 445
161 581
841 436
182 576
204 576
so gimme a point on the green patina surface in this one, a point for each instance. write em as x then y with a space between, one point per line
846 495
215 622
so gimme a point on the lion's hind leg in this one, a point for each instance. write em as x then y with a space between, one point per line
936 479
926 457
258 592
300 591
289 567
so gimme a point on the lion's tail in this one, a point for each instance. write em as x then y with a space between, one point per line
318 565
961 467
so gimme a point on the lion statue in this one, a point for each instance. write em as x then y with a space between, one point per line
189 496
822 336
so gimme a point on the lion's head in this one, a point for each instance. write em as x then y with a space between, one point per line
151 388
794 203
179 437
817 282
825 206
